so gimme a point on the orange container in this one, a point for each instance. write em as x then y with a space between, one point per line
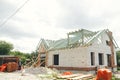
104 74
67 73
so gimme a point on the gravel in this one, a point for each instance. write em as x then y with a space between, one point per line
37 70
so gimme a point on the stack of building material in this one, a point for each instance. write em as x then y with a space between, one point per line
76 77
12 66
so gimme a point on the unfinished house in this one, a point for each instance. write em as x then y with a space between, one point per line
82 50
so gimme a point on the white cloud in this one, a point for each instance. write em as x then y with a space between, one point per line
52 19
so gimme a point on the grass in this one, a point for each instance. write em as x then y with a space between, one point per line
114 78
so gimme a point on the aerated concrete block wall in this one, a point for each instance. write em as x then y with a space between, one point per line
80 57
74 57
102 47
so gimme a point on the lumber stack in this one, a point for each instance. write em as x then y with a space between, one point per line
76 76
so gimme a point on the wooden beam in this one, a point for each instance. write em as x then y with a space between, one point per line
46 59
38 60
112 49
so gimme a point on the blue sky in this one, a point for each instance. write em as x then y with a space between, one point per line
52 19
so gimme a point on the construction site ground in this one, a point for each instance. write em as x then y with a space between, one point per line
42 74
18 76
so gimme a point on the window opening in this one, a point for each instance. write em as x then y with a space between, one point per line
56 59
100 55
92 58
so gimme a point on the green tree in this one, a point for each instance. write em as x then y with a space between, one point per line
34 54
21 55
5 47
118 58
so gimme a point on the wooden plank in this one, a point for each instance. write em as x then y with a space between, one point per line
69 76
82 77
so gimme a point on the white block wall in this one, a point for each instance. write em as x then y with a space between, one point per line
80 57
75 57
101 48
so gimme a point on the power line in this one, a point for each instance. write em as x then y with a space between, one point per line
2 24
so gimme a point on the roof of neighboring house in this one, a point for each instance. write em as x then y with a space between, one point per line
81 37
7 56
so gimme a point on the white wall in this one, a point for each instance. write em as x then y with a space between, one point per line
74 57
100 48
80 57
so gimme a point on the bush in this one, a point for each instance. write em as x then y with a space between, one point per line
118 68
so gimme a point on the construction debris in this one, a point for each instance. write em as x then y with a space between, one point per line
52 74
39 70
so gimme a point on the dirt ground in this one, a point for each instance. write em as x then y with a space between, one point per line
117 74
28 74
18 75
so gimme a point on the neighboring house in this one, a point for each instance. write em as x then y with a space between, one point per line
82 50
